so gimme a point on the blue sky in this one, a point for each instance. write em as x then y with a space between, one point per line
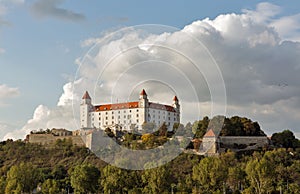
40 41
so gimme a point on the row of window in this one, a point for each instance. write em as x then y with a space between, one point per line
119 122
113 112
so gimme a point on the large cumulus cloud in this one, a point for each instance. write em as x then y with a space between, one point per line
259 61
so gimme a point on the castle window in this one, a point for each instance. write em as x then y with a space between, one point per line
106 123
124 116
137 115
112 117
169 118
112 122
119 117
118 111
106 113
129 110
112 112
106 118
137 110
124 111
137 120
99 113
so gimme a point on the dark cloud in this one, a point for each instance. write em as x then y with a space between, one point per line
49 8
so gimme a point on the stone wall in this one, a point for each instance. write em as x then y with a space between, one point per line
231 140
47 139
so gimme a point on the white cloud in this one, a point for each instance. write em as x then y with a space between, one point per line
49 8
259 67
7 93
5 128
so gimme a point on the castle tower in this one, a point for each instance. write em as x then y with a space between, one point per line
143 100
176 104
144 104
210 143
85 108
176 107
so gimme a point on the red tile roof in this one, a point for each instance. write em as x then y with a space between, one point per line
129 105
86 95
210 133
175 98
143 92
117 106
161 107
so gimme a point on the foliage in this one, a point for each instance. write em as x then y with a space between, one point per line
50 186
155 180
285 139
22 178
65 168
84 179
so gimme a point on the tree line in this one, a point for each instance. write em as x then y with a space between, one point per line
66 168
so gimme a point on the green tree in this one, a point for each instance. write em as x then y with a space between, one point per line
116 180
156 180
22 178
209 174
148 139
260 173
50 186
285 139
85 179
2 184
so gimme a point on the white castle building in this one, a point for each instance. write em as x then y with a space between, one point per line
128 115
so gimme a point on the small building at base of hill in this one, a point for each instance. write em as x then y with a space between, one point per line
213 144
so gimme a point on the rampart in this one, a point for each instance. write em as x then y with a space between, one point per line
47 139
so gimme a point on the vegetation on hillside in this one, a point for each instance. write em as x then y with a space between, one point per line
65 168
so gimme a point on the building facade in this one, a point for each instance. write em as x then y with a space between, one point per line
129 115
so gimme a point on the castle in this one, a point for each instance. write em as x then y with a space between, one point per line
128 115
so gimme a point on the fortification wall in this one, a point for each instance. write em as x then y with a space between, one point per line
231 140
46 139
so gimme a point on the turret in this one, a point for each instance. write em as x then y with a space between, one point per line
85 108
143 100
86 99
176 104
177 108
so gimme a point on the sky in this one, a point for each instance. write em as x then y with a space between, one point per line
254 47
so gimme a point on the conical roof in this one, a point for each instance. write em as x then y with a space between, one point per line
210 133
86 95
143 92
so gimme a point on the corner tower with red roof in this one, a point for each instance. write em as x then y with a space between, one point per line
128 115
85 108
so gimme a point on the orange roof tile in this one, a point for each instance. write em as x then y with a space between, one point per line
210 133
86 95
117 106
